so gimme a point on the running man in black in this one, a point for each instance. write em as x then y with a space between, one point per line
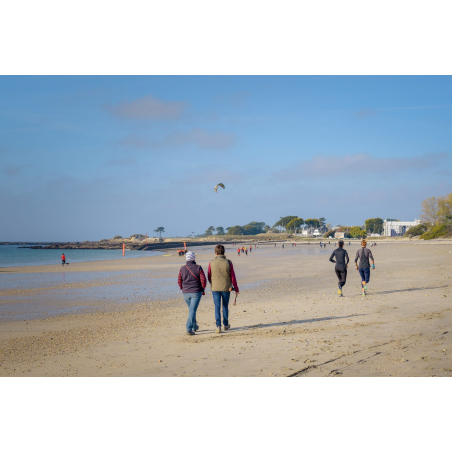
341 262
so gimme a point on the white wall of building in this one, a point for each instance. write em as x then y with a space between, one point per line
398 228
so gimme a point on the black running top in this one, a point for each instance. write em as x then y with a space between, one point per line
341 257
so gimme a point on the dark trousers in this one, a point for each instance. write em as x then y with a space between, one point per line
341 273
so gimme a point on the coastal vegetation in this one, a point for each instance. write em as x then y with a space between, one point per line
436 213
417 230
159 231
357 232
374 225
252 228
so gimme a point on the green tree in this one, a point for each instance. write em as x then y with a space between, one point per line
220 230
374 225
235 230
254 228
416 230
322 221
295 224
159 231
210 230
357 232
312 223
284 221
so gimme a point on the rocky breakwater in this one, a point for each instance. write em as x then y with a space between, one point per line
101 245
117 244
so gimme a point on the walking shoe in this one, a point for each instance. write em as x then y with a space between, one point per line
339 290
365 286
227 327
196 327
191 333
218 330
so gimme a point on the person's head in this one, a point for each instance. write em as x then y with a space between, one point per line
341 243
364 243
190 256
219 250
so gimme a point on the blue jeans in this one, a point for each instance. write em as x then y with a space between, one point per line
365 274
192 300
217 298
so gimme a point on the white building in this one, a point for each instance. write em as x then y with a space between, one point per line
398 228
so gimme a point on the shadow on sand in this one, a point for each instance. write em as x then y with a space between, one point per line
269 325
407 290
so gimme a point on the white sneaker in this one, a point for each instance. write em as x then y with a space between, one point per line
218 330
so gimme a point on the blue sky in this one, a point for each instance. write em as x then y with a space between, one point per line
86 158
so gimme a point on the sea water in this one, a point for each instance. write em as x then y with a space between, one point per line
15 256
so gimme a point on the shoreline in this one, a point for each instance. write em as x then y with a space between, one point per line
170 246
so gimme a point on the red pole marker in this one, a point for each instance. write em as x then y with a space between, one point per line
123 249
185 246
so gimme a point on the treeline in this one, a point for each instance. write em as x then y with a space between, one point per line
371 226
294 224
436 217
290 224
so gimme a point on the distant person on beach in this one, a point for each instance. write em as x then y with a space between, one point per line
364 254
283 245
341 262
238 251
63 259
251 248
221 276
246 250
192 282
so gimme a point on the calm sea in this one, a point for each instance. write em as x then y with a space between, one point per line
14 256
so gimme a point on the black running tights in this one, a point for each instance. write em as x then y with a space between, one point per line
341 273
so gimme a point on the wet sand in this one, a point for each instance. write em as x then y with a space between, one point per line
127 318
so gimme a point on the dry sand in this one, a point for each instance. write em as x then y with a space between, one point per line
289 320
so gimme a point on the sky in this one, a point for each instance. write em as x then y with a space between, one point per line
91 157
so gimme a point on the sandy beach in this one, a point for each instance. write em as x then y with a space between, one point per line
127 318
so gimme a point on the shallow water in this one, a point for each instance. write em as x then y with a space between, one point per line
56 296
52 294
15 256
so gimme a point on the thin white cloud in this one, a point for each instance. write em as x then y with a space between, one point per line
366 112
321 166
147 107
203 139
214 140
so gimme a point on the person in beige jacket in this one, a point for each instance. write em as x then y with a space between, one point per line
222 278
